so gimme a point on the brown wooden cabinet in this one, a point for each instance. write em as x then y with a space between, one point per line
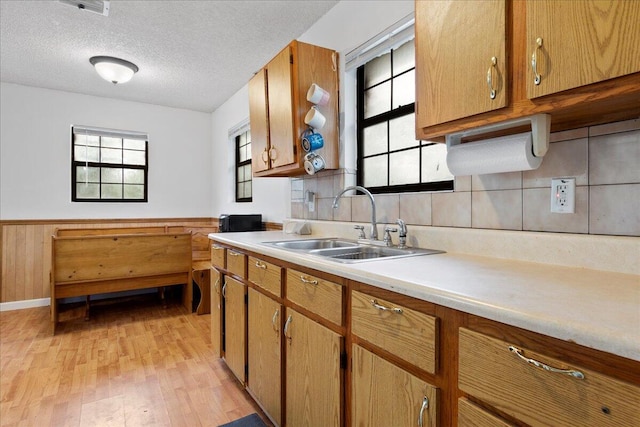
588 63
576 43
264 342
216 311
278 104
313 374
459 46
386 395
542 390
235 327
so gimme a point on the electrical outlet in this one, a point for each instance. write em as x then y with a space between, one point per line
311 201
563 195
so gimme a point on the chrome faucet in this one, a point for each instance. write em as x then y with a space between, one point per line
374 226
402 235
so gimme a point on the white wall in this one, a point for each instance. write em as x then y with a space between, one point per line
35 155
345 27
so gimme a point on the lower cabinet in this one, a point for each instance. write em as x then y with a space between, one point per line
235 326
385 395
540 390
264 353
313 374
216 311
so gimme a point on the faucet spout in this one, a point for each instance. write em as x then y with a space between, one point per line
374 225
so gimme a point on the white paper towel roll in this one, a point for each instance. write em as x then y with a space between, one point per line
504 154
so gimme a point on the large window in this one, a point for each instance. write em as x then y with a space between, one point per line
243 167
390 159
108 165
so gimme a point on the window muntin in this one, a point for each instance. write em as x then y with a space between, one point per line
390 159
243 167
108 165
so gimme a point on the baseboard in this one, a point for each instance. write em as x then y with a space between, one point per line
28 303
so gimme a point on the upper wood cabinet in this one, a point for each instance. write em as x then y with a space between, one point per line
576 43
278 105
460 46
588 63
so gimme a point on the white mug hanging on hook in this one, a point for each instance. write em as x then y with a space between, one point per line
313 163
317 95
314 118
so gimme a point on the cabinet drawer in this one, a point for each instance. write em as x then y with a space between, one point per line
407 333
236 263
266 275
471 415
491 370
217 255
316 295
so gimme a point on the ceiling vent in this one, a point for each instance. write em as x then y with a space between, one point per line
96 6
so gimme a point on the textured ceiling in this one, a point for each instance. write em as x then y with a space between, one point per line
191 54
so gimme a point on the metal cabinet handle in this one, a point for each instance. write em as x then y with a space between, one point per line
232 253
273 320
273 153
260 264
309 281
286 327
224 289
380 307
576 374
216 247
534 62
265 156
425 405
492 91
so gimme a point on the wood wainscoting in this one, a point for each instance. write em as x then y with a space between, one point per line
25 249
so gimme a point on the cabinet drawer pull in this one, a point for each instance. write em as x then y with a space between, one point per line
216 247
232 253
576 374
260 264
286 327
492 91
309 281
425 405
273 321
380 307
534 62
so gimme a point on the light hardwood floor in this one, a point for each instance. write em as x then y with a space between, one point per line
133 364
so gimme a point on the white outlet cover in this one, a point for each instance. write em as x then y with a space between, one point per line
563 195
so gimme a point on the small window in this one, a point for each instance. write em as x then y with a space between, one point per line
108 165
390 159
243 167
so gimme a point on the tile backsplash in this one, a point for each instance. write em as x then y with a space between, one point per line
604 159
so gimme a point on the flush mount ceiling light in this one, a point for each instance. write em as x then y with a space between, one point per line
114 70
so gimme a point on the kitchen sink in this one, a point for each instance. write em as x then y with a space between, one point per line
349 251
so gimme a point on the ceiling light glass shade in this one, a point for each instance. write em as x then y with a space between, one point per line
114 70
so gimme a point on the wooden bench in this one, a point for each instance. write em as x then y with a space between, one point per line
94 261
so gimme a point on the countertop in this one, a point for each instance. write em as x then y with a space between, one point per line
592 308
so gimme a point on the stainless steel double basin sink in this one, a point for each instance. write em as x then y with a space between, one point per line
348 251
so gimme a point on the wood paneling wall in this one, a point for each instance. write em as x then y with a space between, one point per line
25 251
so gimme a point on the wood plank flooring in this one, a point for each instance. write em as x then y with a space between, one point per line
133 364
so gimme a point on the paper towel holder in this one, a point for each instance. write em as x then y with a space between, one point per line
540 131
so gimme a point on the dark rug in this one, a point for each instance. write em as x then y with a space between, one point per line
252 420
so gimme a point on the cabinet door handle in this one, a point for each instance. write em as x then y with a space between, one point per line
576 374
265 156
286 327
425 405
273 153
273 320
224 290
534 62
492 91
381 307
308 281
260 264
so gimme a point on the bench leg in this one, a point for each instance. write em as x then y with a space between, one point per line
161 290
87 309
